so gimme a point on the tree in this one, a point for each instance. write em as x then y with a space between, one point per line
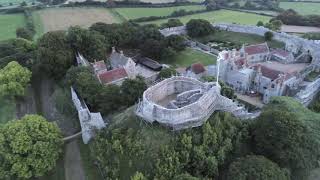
24 33
260 23
138 176
13 80
91 44
268 36
276 24
185 176
22 4
29 147
132 90
176 42
257 168
287 133
167 73
171 23
54 55
199 27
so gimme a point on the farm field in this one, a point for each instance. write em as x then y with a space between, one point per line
221 16
189 56
303 8
62 18
8 25
133 13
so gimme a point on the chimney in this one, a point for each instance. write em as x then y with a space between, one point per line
113 49
121 53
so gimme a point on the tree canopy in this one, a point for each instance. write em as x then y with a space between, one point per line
54 54
13 80
199 27
29 147
257 168
288 134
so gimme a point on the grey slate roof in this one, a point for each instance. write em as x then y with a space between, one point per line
118 60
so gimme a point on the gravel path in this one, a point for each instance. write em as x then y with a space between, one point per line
72 162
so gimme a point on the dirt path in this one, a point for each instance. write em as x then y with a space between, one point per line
26 105
72 162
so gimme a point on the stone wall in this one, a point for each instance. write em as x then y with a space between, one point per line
89 121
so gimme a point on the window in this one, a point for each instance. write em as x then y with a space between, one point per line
272 86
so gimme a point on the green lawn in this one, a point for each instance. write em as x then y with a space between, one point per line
238 39
133 13
9 23
220 16
189 56
303 8
7 110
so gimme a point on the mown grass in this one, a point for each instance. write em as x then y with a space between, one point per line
222 16
303 8
9 23
7 110
239 39
189 56
133 13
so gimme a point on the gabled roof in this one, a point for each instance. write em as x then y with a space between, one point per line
99 65
118 59
256 49
197 68
112 75
149 63
281 53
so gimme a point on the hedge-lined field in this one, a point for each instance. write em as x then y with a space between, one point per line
220 16
15 2
303 8
9 23
62 18
133 13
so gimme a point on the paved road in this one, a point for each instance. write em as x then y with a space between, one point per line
72 162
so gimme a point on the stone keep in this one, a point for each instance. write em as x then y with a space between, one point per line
188 103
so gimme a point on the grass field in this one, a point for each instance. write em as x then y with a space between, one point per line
133 13
226 16
189 56
303 8
7 110
62 18
238 39
8 25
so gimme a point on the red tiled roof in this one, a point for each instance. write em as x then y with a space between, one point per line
100 65
267 72
197 68
281 52
240 62
256 49
110 76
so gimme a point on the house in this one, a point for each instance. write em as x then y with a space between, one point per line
256 53
282 56
115 76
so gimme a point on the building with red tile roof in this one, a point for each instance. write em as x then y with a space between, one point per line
115 76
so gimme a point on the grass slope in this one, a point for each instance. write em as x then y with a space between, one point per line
7 110
133 13
189 56
303 8
220 16
8 25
